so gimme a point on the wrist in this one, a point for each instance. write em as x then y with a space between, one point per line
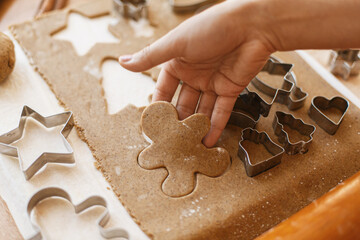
307 24
252 21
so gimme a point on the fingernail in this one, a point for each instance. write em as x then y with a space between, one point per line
125 58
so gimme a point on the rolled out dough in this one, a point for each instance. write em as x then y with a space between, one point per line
232 206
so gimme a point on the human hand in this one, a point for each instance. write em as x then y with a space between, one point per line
215 54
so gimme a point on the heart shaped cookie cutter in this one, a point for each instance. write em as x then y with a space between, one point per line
91 201
320 102
297 124
259 137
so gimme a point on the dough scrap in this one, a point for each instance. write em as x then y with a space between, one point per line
177 147
7 56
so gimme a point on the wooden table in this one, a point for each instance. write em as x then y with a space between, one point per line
336 215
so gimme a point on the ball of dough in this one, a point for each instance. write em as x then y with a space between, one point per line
7 56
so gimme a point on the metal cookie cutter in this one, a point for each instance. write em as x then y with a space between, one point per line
46 157
345 63
256 137
134 9
87 203
248 108
249 105
321 119
189 6
282 119
289 94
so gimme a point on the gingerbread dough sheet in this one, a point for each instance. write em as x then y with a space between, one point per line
231 206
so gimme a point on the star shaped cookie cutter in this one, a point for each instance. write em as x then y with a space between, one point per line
47 157
89 202
297 124
259 137
134 9
345 63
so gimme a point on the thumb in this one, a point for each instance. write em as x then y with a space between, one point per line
162 50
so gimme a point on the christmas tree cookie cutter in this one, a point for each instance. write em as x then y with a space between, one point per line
12 136
297 124
51 192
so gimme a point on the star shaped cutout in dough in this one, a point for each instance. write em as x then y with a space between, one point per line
84 32
65 118
176 145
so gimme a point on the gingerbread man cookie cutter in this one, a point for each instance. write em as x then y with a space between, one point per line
259 137
177 146
14 135
297 124
91 201
321 119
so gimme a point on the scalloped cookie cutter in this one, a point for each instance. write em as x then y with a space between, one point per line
87 203
46 157
321 119
297 124
259 137
284 95
134 9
